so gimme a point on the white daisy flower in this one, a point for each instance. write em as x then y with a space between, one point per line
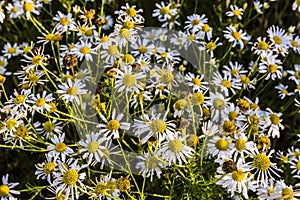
196 82
296 6
68 179
6 192
164 12
261 46
91 148
274 123
235 11
41 101
218 105
226 83
236 37
270 65
14 10
45 169
283 90
31 7
84 50
19 101
48 128
295 44
262 166
58 148
220 146
111 128
154 126
195 22
174 150
128 81
64 22
130 13
70 90
150 164
280 39
11 50
142 47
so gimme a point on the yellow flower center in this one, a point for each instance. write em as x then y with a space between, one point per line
232 115
93 146
131 12
294 43
40 102
14 10
100 188
70 177
236 35
287 194
261 162
158 126
252 130
236 12
253 119
60 147
37 60
238 175
19 99
27 7
180 104
33 78
274 119
85 50
164 10
262 45
175 145
277 39
240 144
4 190
272 68
263 141
113 50
125 33
49 168
128 24
245 80
123 184
219 104
196 81
229 126
197 98
205 28
211 46
195 22
2 79
89 32
152 162
226 83
11 124
166 77
22 131
191 37
222 144
127 58
72 91
113 125
11 50
105 38
64 21
297 2
129 80
298 165
192 140
243 104
49 126
2 63
142 49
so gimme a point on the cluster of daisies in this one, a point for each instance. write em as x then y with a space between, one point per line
125 87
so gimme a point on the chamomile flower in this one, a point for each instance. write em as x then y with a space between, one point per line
283 91
58 148
210 46
84 50
131 13
14 10
239 180
164 12
154 126
111 128
209 129
106 22
174 150
128 81
258 6
261 46
140 98
241 147
235 36
150 164
270 65
31 7
264 169
19 101
196 82
105 187
11 50
45 169
68 179
90 147
295 44
295 166
6 189
234 69
235 11
64 22
3 64
41 101
142 47
48 128
279 39
167 56
274 123
220 146
195 22
218 105
53 36
2 14
124 36
70 90
226 83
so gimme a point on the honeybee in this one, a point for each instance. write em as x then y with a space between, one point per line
229 166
